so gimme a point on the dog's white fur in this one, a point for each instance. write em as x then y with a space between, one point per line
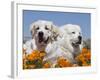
43 32
63 46
72 32
59 42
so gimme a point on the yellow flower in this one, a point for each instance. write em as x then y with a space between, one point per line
42 54
34 60
84 57
84 50
29 57
63 62
46 65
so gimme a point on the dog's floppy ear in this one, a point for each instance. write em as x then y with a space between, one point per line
55 32
32 29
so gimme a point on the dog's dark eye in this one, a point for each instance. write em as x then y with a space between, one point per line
73 32
37 28
46 28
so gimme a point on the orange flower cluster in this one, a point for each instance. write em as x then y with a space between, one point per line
35 60
84 58
46 65
35 55
61 62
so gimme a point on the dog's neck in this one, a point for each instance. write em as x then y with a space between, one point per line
76 50
40 47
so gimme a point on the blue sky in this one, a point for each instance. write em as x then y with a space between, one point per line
59 19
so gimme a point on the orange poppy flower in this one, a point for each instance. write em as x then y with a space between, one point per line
46 65
84 50
63 62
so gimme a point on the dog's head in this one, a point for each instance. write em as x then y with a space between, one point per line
42 31
74 34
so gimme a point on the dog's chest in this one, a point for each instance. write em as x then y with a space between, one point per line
76 51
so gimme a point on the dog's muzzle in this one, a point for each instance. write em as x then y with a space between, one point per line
79 40
41 38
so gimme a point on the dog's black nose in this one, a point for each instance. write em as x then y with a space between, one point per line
40 34
80 38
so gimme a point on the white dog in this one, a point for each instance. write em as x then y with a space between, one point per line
73 34
68 44
43 32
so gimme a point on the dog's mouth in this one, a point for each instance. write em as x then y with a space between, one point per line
79 42
41 39
46 41
76 43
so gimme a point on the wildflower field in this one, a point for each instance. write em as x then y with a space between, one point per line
35 60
